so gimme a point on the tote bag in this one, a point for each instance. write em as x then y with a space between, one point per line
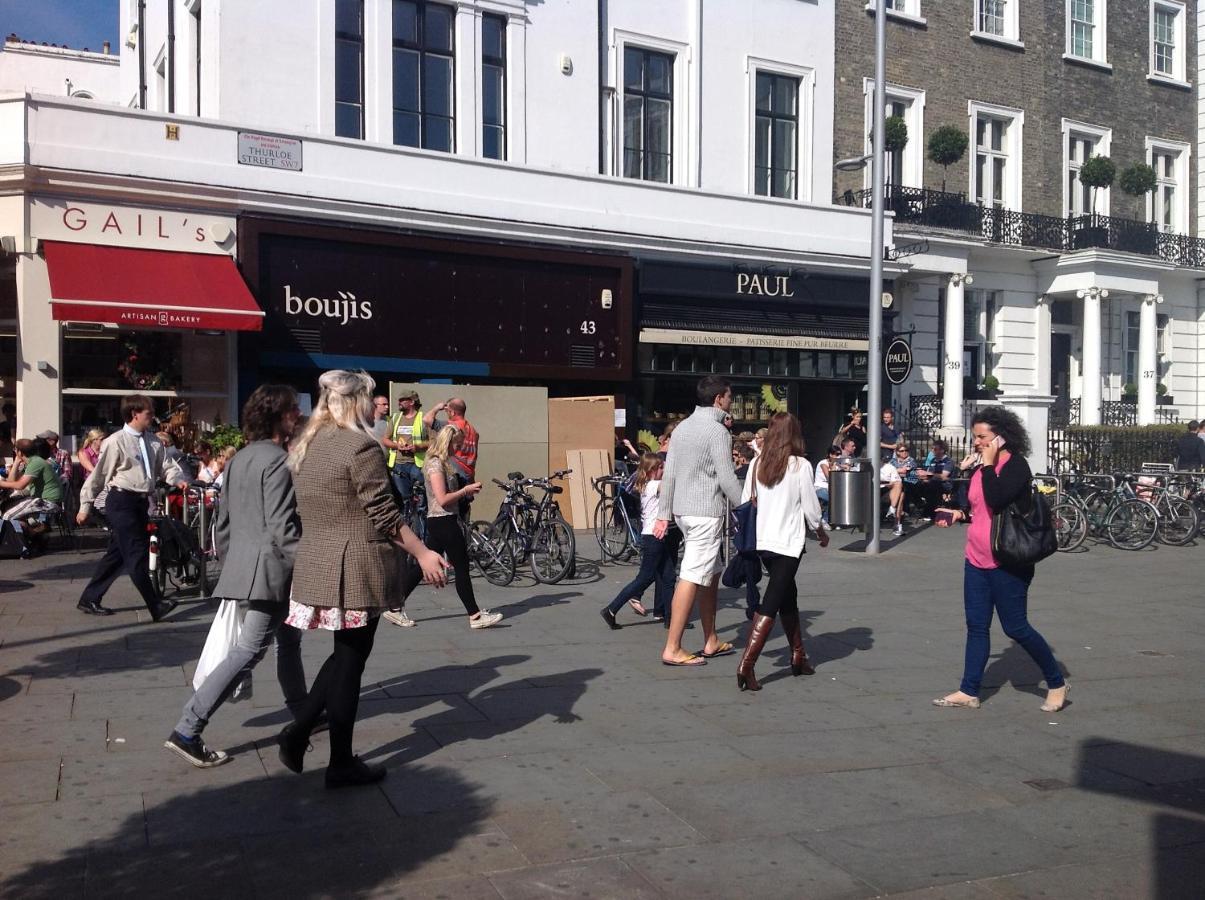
1023 538
745 520
222 638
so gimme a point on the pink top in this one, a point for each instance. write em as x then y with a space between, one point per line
979 533
93 455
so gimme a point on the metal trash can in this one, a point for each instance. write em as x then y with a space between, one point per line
849 496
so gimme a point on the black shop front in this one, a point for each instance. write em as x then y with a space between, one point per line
789 339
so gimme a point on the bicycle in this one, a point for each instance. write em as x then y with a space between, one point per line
494 559
617 535
535 530
1115 513
1068 518
181 547
1178 518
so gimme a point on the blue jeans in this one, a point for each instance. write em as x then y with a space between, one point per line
656 567
985 590
405 475
822 496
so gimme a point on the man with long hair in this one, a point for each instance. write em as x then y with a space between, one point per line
699 480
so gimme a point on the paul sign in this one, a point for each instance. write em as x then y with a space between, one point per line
897 361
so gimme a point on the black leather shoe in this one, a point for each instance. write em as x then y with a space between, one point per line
353 774
162 608
292 744
93 608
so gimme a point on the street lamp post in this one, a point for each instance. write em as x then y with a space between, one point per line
874 367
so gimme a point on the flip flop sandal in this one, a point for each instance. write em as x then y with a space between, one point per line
725 649
637 607
693 660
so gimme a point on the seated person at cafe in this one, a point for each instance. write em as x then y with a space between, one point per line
849 461
893 494
936 477
821 481
37 493
906 465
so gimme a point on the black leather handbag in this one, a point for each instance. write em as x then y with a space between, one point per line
1022 538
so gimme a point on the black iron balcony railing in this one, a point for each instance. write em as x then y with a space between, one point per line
927 208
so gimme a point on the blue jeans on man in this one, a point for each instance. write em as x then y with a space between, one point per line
405 476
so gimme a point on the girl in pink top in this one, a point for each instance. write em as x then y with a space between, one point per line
1003 478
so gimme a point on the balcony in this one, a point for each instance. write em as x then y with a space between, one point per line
949 211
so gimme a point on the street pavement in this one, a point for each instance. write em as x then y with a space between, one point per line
551 757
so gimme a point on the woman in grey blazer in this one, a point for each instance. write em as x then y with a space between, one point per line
347 563
257 534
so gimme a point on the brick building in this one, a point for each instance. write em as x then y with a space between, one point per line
1067 298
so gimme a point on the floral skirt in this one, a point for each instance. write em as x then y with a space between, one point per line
332 618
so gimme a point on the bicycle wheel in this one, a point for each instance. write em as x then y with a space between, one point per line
552 551
1132 525
493 558
609 529
1095 504
1178 521
1070 525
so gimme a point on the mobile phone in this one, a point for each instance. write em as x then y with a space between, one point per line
943 517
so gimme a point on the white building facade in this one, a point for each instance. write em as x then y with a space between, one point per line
597 197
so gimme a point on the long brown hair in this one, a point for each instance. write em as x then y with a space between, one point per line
784 439
649 463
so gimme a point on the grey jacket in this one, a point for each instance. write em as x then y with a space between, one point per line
699 475
258 528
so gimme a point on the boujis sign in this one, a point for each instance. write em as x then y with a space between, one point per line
897 361
268 151
341 308
130 226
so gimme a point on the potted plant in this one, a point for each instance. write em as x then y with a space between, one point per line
1129 392
1161 394
1139 180
991 387
947 145
1097 173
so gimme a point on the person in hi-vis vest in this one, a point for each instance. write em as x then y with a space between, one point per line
407 443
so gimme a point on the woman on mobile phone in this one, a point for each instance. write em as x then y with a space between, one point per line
1003 477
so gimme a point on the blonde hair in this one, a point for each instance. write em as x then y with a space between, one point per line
345 402
227 453
441 447
94 434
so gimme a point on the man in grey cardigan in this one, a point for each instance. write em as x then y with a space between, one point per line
698 485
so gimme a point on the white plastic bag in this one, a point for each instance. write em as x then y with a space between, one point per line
223 637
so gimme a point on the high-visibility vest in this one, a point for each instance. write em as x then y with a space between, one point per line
416 435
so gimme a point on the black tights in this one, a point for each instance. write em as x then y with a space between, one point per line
444 536
781 593
337 689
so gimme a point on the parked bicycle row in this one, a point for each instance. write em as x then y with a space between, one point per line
1129 510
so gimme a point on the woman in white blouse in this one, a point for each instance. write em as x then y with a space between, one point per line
781 482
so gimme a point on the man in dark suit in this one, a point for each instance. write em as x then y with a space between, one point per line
1190 450
258 530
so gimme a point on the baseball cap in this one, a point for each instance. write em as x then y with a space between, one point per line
49 435
408 395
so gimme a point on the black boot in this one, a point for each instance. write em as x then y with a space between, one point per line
758 632
800 664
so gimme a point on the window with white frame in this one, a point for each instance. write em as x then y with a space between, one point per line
903 167
776 136
907 7
997 18
1081 142
1167 39
648 114
424 75
349 68
979 333
1086 29
1162 350
1167 204
493 86
994 176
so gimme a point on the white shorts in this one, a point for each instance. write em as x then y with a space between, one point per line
704 539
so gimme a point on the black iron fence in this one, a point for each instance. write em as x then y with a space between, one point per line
928 208
1107 449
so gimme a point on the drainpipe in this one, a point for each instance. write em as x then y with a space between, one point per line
171 56
602 87
142 54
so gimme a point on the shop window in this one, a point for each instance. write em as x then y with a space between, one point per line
423 75
349 68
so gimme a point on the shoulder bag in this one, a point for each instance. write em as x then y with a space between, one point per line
745 519
1022 538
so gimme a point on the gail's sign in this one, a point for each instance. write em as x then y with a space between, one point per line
131 226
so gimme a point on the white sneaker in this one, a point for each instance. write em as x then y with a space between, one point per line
899 530
399 617
486 619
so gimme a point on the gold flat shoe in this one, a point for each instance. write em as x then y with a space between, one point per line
1050 708
972 703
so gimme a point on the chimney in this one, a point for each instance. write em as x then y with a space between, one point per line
105 48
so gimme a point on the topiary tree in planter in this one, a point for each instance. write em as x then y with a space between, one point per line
947 145
991 385
895 134
1139 180
1097 173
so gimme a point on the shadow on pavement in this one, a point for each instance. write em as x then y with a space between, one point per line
282 836
542 601
1015 667
1175 781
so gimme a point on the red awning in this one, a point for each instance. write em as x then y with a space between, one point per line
148 288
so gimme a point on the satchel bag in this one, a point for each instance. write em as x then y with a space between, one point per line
1023 538
745 520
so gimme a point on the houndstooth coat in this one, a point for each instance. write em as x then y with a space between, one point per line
347 557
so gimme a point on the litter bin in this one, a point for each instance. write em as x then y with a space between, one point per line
849 496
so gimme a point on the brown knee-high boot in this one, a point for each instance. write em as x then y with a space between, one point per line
758 632
800 664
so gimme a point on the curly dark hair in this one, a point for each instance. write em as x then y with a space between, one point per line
1007 424
265 408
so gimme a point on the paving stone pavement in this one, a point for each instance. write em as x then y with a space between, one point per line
552 757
